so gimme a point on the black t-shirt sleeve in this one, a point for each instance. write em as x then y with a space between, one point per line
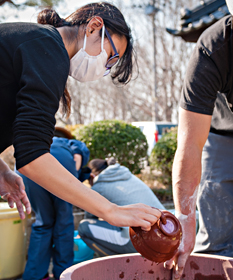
41 66
202 82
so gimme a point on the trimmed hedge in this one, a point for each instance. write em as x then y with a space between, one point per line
162 155
113 138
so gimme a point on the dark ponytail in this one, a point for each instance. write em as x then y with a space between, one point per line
111 161
51 17
98 165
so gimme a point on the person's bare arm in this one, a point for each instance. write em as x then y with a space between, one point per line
78 161
12 189
50 174
192 134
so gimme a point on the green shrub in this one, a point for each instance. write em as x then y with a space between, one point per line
162 155
163 194
115 138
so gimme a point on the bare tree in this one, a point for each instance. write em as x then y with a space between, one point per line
101 99
172 59
43 3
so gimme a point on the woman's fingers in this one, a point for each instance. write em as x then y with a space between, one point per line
134 215
26 203
6 196
24 197
10 202
19 206
147 226
163 218
146 216
13 190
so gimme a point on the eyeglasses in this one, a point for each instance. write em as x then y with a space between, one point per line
113 59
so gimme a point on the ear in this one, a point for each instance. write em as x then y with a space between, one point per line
95 24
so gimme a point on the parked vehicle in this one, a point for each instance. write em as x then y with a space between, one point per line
153 131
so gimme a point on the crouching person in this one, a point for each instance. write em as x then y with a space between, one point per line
116 183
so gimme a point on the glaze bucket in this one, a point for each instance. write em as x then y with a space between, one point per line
13 237
135 267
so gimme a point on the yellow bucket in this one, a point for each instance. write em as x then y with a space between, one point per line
13 238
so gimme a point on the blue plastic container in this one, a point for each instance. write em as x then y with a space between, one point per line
81 251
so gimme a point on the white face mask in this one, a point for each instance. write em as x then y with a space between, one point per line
84 67
230 6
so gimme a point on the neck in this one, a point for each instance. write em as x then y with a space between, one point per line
70 36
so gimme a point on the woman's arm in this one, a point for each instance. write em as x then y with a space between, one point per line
50 174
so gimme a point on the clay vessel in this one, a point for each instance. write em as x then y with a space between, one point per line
161 242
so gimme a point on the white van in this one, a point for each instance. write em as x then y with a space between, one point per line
153 131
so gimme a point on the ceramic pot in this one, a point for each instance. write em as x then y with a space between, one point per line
161 242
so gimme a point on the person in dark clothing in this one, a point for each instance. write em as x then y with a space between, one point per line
52 233
202 168
36 60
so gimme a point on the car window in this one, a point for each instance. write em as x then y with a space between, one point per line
163 128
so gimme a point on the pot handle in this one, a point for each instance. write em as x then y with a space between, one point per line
162 218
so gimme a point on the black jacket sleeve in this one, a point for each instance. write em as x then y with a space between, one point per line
41 65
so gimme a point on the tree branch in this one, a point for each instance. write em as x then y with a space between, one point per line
9 1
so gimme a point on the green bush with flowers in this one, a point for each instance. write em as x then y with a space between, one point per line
118 139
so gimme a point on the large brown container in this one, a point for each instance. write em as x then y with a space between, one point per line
135 267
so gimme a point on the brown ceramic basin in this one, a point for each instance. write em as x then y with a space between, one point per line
135 267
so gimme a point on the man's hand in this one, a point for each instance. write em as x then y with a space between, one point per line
193 131
12 189
187 244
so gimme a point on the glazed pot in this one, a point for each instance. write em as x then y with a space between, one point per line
161 242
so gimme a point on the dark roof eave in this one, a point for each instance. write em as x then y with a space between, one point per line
190 34
198 19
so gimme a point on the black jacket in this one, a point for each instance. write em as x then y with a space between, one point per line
34 67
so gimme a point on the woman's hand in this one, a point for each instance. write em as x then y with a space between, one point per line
188 224
12 189
134 215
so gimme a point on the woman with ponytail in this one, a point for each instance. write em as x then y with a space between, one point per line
36 60
116 183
